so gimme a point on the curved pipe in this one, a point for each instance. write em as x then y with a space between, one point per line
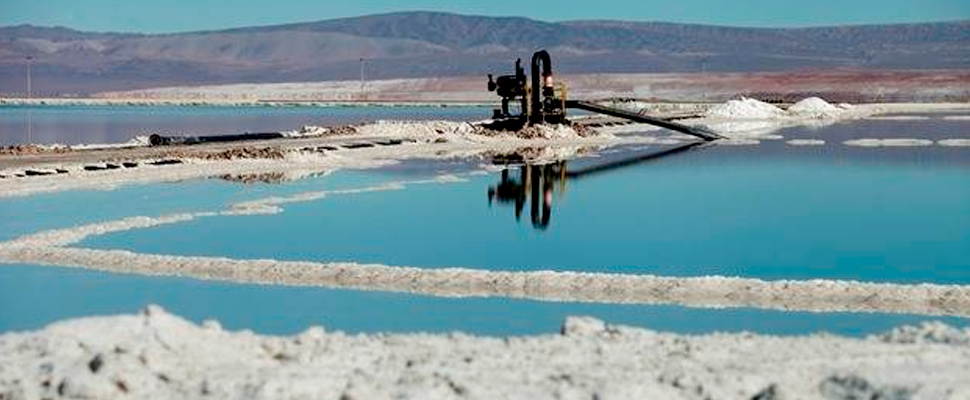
535 113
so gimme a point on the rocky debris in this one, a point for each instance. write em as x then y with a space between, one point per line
270 153
315 131
343 130
27 149
158 355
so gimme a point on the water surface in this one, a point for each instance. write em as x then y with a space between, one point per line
115 124
719 211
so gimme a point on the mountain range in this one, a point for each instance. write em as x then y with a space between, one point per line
429 44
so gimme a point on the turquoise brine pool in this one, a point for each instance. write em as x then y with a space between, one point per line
115 124
707 212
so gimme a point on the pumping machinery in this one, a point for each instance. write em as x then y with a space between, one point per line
542 100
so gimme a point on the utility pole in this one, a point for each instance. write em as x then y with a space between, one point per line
362 79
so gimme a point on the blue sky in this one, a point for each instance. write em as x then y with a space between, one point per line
188 15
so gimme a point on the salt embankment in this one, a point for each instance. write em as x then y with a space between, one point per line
157 355
308 151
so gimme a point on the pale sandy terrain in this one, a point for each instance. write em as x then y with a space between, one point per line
840 86
156 355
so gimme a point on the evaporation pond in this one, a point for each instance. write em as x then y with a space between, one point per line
711 211
771 211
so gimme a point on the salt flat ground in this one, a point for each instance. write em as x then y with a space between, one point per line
853 86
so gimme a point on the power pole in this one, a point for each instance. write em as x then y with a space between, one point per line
362 79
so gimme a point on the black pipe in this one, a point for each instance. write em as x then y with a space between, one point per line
159 140
693 131
536 112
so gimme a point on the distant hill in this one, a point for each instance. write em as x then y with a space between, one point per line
425 44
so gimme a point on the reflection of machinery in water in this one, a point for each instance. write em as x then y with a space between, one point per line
537 184
543 101
540 184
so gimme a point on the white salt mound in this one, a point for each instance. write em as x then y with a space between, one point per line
746 108
814 107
